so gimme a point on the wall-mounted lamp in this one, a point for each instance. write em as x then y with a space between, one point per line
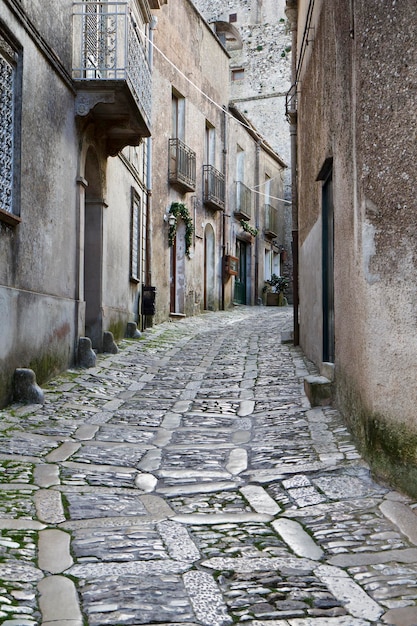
170 218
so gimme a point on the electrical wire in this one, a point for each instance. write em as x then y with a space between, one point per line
216 104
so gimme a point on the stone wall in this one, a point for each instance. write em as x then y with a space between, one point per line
356 108
265 57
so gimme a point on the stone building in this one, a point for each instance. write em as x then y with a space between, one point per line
353 107
258 40
211 229
104 202
75 104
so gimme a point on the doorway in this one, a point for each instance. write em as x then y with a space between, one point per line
209 269
177 273
328 270
241 284
93 251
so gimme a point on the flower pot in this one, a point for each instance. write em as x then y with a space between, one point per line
272 299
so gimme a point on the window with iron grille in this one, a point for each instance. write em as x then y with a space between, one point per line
8 130
135 238
94 38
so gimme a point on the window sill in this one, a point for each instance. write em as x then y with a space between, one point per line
9 218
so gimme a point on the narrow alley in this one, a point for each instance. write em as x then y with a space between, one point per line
186 481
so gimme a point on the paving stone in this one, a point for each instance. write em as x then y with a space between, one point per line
259 500
182 490
200 488
297 566
99 504
408 555
406 616
221 518
64 452
21 524
246 408
207 601
136 568
238 461
146 482
296 537
59 602
22 572
355 599
179 544
49 506
46 475
323 621
54 551
403 517
120 600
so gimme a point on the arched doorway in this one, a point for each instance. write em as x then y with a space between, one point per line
209 269
177 277
93 250
241 291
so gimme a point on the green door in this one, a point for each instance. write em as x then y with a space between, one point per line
240 280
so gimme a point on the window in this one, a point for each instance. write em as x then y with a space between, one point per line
178 116
233 17
240 164
272 264
210 144
135 234
267 189
8 132
238 74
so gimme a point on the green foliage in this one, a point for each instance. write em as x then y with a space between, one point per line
248 228
278 284
178 209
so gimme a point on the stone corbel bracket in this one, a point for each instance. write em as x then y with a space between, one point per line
85 102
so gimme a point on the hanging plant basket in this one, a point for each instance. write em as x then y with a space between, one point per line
178 209
248 228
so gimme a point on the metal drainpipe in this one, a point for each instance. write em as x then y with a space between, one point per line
149 226
223 235
292 14
257 219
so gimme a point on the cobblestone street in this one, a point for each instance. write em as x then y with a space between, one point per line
186 481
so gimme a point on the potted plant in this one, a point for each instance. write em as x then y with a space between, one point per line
275 289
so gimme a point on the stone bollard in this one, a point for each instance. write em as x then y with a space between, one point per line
86 357
318 390
132 331
109 344
25 389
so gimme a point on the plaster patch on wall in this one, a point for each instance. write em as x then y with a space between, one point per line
368 251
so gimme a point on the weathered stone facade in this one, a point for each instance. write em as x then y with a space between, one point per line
260 75
73 217
356 189
193 125
90 167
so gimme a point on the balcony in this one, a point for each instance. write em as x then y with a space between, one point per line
271 221
182 166
111 72
213 188
243 207
291 104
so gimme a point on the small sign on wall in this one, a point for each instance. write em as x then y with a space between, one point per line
231 265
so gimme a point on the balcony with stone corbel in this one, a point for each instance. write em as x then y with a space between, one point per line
111 72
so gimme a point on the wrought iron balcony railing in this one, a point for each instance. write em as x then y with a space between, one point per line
109 52
243 207
213 188
271 221
182 165
291 104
